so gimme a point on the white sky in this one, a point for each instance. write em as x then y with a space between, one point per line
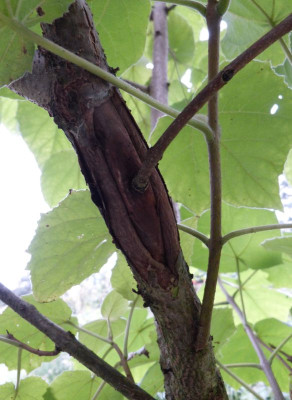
21 202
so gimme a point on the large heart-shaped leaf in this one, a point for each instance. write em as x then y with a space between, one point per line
71 243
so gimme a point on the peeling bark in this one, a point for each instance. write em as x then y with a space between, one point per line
110 149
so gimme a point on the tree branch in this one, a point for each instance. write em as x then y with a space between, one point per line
254 341
215 246
195 5
254 229
155 153
97 71
67 342
10 339
195 233
159 83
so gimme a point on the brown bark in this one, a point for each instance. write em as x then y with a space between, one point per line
110 150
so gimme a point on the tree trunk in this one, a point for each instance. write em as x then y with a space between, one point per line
110 150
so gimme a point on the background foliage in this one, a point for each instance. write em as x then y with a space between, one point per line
72 240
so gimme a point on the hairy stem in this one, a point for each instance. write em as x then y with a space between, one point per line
155 154
254 341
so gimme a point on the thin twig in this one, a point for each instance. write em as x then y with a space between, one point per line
240 286
215 246
93 334
254 341
155 153
239 380
278 348
66 341
10 339
19 354
243 365
254 229
99 389
195 233
143 88
127 330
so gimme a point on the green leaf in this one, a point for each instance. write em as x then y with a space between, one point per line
246 248
31 388
57 311
261 301
248 21
40 132
7 391
249 174
273 333
239 350
114 306
184 166
122 26
142 330
122 279
7 93
16 53
71 383
8 110
61 173
153 381
288 168
221 331
252 155
280 275
181 39
283 244
285 69
195 20
71 243
54 153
